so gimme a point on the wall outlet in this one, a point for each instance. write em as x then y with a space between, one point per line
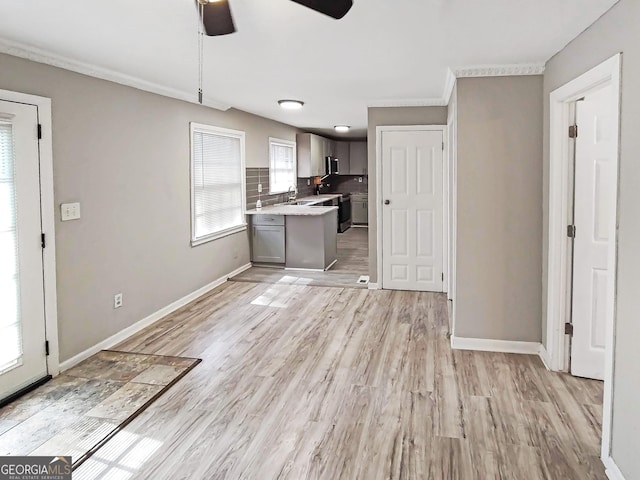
360 179
117 300
69 211
308 181
259 188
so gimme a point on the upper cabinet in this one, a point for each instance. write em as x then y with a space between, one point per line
342 154
358 158
313 149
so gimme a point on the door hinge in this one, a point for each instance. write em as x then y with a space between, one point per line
46 347
39 132
573 131
568 329
443 146
571 231
43 240
443 277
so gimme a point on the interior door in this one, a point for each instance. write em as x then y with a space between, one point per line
412 210
595 197
22 321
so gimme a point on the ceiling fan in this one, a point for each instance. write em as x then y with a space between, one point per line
217 19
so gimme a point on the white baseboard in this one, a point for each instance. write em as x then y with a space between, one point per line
488 345
612 470
145 322
373 286
544 356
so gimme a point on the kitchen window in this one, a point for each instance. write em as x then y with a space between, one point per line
282 165
217 183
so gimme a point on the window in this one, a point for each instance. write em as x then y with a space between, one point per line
217 183
282 165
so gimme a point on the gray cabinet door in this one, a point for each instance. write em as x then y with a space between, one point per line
342 154
268 244
359 212
358 158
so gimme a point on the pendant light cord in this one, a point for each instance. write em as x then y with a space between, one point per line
200 49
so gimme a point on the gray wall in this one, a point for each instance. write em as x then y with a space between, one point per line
499 201
124 155
616 31
380 116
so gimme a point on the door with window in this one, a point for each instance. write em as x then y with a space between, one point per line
22 321
412 210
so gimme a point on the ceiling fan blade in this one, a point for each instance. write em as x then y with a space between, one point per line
216 18
334 8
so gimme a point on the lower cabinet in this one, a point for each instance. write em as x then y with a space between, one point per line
360 212
268 239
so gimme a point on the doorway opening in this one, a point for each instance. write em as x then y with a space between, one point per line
583 185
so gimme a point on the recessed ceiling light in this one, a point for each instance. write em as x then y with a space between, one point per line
342 128
291 104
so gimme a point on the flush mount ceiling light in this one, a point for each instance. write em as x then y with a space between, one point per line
342 128
291 104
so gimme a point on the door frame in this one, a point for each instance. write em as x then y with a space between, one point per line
559 260
47 209
445 193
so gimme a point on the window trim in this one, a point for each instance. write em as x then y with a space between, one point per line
286 143
226 132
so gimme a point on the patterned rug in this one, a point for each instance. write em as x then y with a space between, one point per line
80 410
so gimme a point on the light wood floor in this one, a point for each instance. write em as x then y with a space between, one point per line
301 382
353 251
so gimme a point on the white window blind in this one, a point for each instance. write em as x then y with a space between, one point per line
10 325
282 165
217 172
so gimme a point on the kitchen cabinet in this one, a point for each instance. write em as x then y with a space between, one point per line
268 239
358 158
311 151
342 154
360 209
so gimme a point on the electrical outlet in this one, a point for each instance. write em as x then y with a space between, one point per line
308 181
360 179
259 188
117 300
69 211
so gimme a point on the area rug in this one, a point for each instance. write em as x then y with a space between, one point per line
77 412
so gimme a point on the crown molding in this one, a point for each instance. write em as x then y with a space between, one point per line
38 55
408 102
499 70
449 84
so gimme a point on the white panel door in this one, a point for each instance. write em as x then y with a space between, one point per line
595 197
22 323
412 206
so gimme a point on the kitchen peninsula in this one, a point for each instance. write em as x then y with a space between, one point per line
295 236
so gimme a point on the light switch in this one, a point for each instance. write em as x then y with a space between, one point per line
69 211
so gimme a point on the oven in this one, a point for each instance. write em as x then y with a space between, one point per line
344 213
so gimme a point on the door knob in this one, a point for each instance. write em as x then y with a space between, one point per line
387 202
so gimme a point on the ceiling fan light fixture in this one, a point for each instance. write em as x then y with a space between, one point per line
291 104
342 128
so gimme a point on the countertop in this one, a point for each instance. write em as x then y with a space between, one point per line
293 210
319 198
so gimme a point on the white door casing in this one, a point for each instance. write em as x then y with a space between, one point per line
412 221
595 197
22 267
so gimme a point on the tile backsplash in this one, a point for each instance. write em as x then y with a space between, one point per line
346 184
261 175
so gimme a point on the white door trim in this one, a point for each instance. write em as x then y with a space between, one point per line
607 73
445 181
48 221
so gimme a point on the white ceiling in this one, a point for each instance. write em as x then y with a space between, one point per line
383 51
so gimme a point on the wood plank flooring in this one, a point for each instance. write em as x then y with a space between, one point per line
353 251
301 382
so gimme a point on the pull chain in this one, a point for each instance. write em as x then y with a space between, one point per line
200 50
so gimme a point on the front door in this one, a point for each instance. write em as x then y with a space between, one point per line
595 207
412 210
22 321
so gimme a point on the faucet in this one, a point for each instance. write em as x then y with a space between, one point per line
292 194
